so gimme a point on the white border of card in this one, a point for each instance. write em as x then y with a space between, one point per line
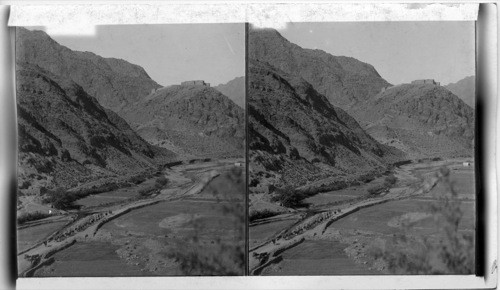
263 14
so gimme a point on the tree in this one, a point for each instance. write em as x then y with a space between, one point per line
289 197
60 198
161 181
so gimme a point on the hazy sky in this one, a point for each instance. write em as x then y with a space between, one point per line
171 53
399 51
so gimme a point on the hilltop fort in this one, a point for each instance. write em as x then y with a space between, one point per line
195 83
425 82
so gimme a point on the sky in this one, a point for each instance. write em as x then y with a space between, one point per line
171 53
399 51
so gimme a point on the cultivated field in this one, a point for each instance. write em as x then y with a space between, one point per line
348 237
147 236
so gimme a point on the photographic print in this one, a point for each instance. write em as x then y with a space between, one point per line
131 151
361 148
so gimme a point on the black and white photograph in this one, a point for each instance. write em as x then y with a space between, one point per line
361 148
131 151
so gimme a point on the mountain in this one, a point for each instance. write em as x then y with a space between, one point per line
465 89
191 121
235 90
423 120
344 81
428 120
115 83
298 137
65 136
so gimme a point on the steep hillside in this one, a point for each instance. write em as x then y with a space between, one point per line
235 90
427 120
115 83
465 89
344 81
66 137
191 121
422 120
297 137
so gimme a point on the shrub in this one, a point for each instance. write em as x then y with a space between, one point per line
146 192
31 216
289 197
65 156
374 190
254 182
161 182
390 180
60 198
255 215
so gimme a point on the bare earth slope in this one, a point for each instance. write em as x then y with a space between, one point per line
344 81
423 120
235 90
197 121
66 137
465 89
115 83
297 136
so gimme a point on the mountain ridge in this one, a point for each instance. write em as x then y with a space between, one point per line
67 137
317 141
115 83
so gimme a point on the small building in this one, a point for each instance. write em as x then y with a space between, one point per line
466 164
426 82
195 83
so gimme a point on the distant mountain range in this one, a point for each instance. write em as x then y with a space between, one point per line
235 90
465 89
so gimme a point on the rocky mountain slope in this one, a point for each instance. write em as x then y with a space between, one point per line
234 90
344 81
426 120
65 136
115 83
127 90
297 137
191 121
465 89
422 120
